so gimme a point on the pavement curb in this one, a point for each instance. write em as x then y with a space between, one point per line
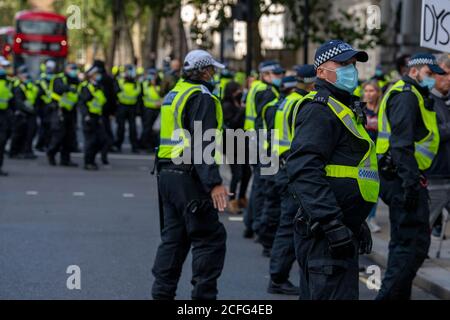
422 279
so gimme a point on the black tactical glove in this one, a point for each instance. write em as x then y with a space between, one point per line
365 239
339 239
411 199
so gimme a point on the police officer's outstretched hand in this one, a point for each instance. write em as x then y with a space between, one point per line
219 195
365 239
411 199
339 239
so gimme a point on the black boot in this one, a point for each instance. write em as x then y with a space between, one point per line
286 288
91 167
51 160
248 233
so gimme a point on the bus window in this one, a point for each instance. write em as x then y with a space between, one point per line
41 27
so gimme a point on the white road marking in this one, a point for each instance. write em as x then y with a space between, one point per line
78 194
32 193
236 218
128 195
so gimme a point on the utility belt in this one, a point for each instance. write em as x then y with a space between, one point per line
167 165
389 171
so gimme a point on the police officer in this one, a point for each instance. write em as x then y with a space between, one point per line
6 99
151 101
408 141
333 177
91 102
109 109
191 193
262 93
225 77
128 92
46 105
283 252
25 99
271 198
65 93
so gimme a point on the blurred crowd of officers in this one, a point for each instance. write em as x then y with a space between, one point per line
44 114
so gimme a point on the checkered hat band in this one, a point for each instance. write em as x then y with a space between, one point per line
327 55
269 68
200 63
290 84
420 61
309 80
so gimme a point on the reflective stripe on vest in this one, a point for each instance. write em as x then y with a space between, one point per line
425 149
48 90
31 92
151 96
250 107
283 135
129 92
5 94
95 105
68 99
366 172
172 146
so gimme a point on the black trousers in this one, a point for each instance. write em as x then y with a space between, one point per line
409 244
283 251
270 217
24 130
240 175
149 138
126 114
44 131
252 216
183 229
5 128
62 135
95 140
323 277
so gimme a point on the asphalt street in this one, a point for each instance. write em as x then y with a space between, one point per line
107 224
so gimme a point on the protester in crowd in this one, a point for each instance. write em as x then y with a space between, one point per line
372 97
233 118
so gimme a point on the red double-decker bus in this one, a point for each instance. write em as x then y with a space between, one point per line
38 37
6 41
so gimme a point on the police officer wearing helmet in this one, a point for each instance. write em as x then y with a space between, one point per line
263 93
46 104
128 92
191 194
333 177
65 93
6 100
26 97
407 142
151 100
283 252
91 101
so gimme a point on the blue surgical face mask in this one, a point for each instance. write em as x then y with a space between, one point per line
276 82
378 73
72 73
347 78
2 72
150 77
98 78
428 82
